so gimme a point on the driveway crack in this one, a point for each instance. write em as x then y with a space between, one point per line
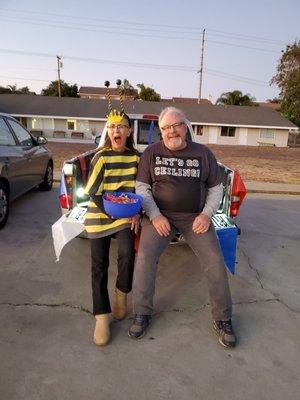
257 276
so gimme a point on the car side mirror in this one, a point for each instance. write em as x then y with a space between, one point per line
41 140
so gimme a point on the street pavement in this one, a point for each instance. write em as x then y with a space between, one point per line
46 331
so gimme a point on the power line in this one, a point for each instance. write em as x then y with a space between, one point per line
31 68
62 25
135 23
237 78
244 47
84 24
102 20
183 68
247 39
103 61
23 79
126 33
247 36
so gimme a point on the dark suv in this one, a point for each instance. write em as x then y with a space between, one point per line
24 163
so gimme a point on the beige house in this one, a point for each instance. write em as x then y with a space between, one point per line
82 119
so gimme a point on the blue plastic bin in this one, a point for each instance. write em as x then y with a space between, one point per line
228 242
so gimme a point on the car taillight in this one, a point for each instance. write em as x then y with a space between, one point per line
65 200
150 117
238 194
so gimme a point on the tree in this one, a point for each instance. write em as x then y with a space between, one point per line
4 90
128 89
66 90
12 89
25 90
147 93
288 81
275 100
236 98
126 85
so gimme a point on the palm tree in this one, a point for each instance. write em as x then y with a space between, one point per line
127 88
236 98
12 88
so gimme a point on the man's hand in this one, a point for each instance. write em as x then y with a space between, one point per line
201 224
135 223
162 225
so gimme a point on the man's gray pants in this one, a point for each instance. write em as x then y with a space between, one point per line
207 250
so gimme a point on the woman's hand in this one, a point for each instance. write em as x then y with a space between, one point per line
135 223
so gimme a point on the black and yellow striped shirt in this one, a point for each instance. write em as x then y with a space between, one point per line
110 171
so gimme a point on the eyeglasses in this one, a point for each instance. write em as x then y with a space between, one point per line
118 127
167 128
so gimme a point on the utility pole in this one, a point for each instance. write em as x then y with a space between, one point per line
59 65
201 67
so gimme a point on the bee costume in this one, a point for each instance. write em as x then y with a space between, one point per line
110 171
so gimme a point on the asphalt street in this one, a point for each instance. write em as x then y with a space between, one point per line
46 346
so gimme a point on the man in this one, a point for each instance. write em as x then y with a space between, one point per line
181 185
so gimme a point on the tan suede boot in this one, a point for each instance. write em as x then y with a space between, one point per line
102 331
120 305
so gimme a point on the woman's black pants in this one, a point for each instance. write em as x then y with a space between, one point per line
100 263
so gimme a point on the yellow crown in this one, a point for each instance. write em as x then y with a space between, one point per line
115 117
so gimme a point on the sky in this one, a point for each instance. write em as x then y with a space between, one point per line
156 42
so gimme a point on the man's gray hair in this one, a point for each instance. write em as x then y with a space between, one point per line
172 110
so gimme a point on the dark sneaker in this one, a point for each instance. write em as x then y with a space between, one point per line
139 326
225 333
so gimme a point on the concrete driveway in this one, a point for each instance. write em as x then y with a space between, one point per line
46 325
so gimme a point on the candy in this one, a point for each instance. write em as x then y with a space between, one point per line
121 199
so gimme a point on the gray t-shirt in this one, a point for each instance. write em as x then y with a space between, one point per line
179 179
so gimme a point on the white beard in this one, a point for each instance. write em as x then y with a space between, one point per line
175 142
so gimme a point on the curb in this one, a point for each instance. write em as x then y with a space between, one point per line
273 191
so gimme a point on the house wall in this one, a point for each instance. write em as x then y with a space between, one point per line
204 137
280 140
49 125
60 124
96 127
242 135
84 127
282 137
46 125
213 134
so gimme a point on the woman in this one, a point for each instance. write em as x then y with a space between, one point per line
113 168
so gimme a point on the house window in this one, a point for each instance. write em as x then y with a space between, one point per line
198 129
267 134
71 124
37 123
228 131
22 120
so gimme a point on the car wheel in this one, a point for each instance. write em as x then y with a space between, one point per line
48 178
4 204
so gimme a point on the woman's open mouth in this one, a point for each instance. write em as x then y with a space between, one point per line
117 139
